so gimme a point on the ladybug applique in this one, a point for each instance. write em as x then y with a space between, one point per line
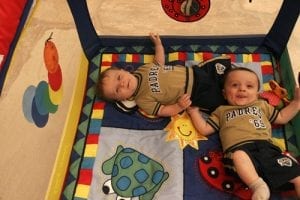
212 170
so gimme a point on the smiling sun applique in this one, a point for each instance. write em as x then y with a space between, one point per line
182 129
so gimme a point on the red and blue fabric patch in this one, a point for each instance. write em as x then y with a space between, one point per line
186 10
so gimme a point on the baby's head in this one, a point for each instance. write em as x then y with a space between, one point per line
241 86
115 84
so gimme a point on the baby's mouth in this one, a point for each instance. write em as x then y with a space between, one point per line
241 96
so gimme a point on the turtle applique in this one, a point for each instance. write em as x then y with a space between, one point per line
133 174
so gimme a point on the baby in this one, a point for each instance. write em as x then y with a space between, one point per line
164 90
245 132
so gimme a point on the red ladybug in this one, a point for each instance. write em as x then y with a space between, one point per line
212 170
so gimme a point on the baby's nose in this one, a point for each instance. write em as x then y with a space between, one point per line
242 88
122 83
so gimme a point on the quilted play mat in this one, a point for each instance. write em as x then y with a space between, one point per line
130 151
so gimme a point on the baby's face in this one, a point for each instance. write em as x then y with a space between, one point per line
119 85
241 88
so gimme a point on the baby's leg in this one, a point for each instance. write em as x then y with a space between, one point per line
296 182
246 171
260 190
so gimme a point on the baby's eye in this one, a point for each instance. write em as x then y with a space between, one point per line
250 86
234 85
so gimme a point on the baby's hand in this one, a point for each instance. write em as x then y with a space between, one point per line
155 38
184 101
192 109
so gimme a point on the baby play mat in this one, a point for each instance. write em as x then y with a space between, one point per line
59 141
125 154
103 128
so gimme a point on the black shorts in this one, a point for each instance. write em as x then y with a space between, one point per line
208 84
270 163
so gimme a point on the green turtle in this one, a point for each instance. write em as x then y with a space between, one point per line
133 174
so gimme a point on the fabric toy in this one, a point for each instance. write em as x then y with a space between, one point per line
276 95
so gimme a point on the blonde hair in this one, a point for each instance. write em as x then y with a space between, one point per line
233 69
100 90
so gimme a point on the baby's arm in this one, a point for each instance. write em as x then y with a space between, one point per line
159 49
288 112
199 122
170 110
